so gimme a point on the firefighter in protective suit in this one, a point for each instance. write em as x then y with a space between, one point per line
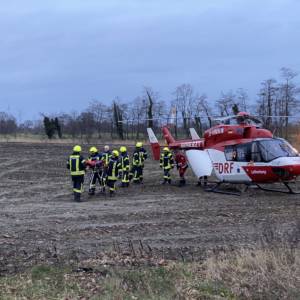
96 165
106 156
138 160
112 171
125 165
76 165
166 163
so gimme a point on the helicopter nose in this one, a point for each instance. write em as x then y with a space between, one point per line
294 170
287 172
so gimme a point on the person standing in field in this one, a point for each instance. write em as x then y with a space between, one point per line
182 165
96 165
138 161
105 158
76 165
166 163
106 155
125 166
112 172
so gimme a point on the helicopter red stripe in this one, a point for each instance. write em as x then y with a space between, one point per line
272 173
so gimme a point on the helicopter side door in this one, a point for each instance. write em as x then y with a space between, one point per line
229 165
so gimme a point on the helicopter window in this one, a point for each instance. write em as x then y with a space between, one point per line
243 152
230 153
240 152
255 152
273 148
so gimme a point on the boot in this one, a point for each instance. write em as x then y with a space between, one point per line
92 192
111 193
77 197
169 181
181 182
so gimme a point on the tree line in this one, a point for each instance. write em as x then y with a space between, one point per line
276 105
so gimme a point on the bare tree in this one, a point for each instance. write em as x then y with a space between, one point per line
26 127
70 123
138 110
202 108
266 103
225 103
184 101
99 111
289 92
8 124
151 97
242 99
160 110
87 125
173 116
118 117
124 107
156 109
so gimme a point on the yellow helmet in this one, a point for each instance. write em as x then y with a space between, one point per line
139 144
166 149
123 149
115 153
77 148
93 150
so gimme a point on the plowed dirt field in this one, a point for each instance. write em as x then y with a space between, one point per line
40 222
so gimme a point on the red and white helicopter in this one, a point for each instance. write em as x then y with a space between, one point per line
237 150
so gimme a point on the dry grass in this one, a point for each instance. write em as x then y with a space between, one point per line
38 139
260 274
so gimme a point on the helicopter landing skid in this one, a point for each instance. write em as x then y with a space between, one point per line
286 184
215 189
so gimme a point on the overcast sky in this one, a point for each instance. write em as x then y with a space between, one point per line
57 55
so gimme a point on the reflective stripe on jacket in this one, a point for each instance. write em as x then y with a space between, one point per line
166 161
125 162
139 157
113 169
76 165
106 156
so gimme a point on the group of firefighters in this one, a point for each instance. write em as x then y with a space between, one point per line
109 166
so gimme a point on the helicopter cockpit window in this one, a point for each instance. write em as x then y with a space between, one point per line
273 148
255 152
